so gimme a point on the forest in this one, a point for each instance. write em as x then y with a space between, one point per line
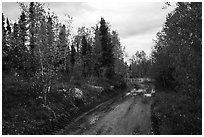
43 65
50 75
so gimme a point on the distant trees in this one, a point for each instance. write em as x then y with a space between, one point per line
140 64
82 51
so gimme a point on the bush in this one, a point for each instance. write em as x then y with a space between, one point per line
175 111
24 111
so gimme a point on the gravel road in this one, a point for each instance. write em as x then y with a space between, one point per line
125 115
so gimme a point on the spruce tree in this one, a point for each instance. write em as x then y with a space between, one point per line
16 48
107 50
3 34
32 27
22 45
86 56
23 29
62 48
97 55
19 53
118 51
50 35
4 46
72 59
32 37
3 24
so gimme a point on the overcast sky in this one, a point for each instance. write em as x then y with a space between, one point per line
137 23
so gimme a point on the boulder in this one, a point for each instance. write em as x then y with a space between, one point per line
147 95
78 93
96 88
111 87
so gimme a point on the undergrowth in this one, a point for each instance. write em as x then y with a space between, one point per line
23 111
174 113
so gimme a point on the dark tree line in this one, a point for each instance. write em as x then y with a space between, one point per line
177 55
177 69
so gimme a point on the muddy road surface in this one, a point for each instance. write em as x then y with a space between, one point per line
127 114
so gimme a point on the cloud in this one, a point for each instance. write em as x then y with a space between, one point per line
72 8
140 42
136 23
11 10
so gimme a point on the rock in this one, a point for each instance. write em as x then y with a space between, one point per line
153 91
140 90
111 87
96 88
78 93
133 90
147 95
127 94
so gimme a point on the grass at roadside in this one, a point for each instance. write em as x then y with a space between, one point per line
175 114
23 111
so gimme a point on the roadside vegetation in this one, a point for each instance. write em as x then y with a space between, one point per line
177 70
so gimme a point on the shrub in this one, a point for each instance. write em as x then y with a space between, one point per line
175 111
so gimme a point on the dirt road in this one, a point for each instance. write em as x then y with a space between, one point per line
125 115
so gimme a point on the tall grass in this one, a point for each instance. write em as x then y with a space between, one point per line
25 113
177 114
